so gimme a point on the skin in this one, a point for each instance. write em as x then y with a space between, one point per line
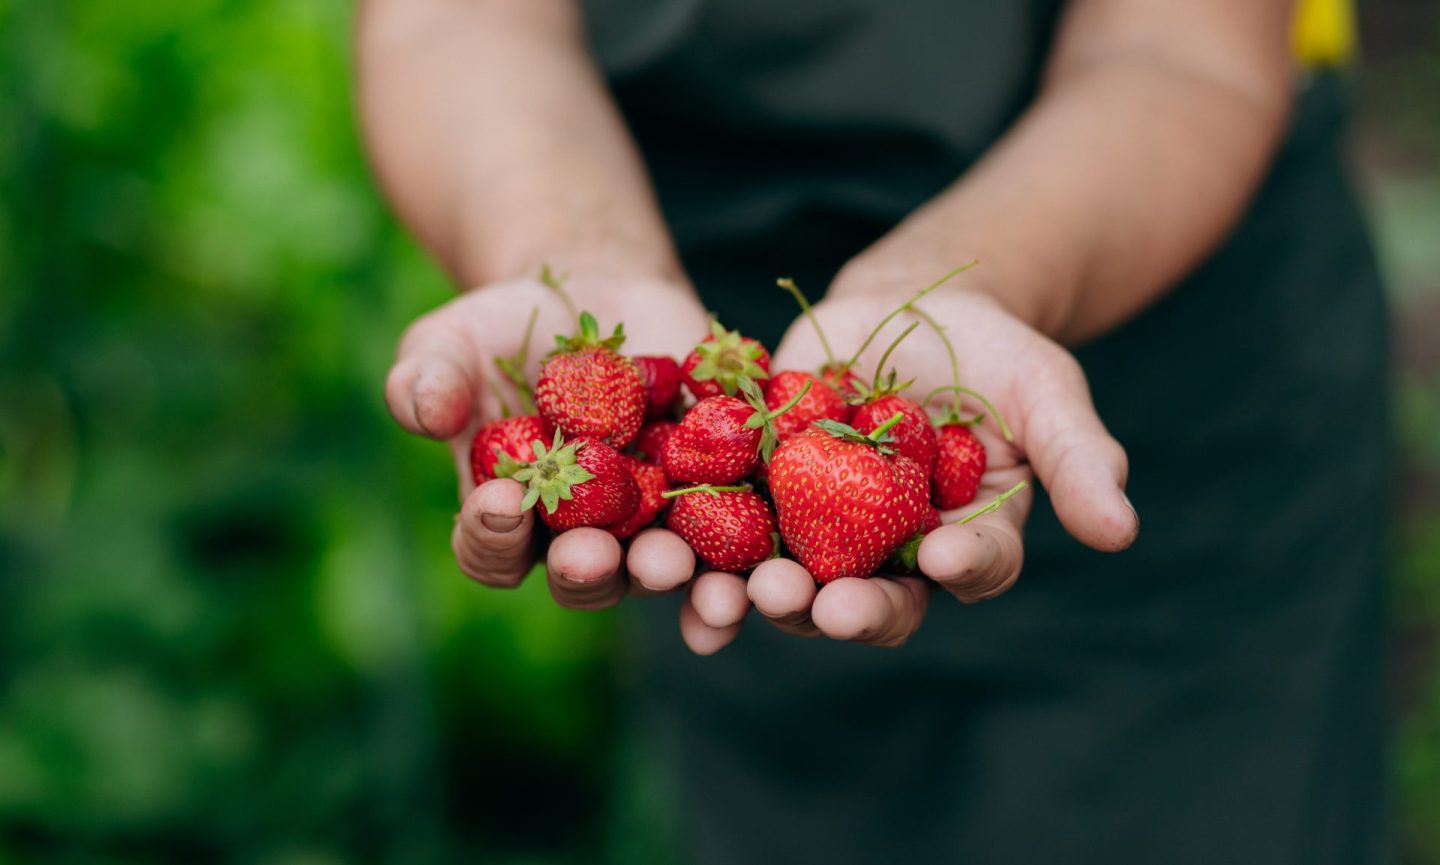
1154 125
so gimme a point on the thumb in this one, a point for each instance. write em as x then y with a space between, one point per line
1081 466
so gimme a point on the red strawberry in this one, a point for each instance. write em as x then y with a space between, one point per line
846 501
501 446
731 528
650 479
906 559
959 463
821 403
841 379
583 483
586 390
650 443
722 439
914 436
716 365
662 384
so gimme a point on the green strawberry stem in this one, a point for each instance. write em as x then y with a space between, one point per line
879 367
789 285
877 434
989 407
949 351
513 367
877 438
903 307
706 488
994 504
556 283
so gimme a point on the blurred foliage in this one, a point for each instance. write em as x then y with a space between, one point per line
230 629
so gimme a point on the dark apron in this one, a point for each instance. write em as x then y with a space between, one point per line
1213 695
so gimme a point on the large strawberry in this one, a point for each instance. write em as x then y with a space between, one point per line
650 478
650 443
662 384
501 446
729 527
717 364
914 436
846 501
587 390
959 464
821 402
722 439
583 483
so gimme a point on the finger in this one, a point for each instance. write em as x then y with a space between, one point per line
719 599
879 611
1081 466
431 390
658 562
973 562
700 637
583 569
782 590
492 537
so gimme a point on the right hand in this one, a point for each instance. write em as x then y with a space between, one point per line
443 386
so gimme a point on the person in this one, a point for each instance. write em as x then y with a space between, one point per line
1166 240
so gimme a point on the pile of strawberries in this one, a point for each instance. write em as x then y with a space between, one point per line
742 463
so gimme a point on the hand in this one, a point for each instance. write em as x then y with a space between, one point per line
1040 390
445 385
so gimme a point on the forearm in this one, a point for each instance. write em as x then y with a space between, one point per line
1132 164
497 143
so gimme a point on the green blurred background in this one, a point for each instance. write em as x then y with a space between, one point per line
230 629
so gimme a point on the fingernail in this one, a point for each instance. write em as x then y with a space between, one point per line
500 523
1134 513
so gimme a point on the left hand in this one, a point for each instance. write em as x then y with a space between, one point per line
1040 389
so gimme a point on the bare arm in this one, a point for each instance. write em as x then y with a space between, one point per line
496 140
1153 127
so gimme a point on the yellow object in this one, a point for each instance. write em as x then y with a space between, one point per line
1324 32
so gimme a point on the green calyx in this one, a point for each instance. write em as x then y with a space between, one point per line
726 357
764 418
710 489
589 337
552 474
878 439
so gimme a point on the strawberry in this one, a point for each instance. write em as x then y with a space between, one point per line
722 439
650 443
717 364
906 559
586 390
501 446
840 379
650 478
730 528
822 402
846 501
662 384
959 463
583 483
913 436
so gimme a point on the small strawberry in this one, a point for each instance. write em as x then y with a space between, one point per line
501 446
650 443
959 463
717 364
722 439
914 436
821 403
730 528
906 559
662 384
586 390
846 501
583 483
650 478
